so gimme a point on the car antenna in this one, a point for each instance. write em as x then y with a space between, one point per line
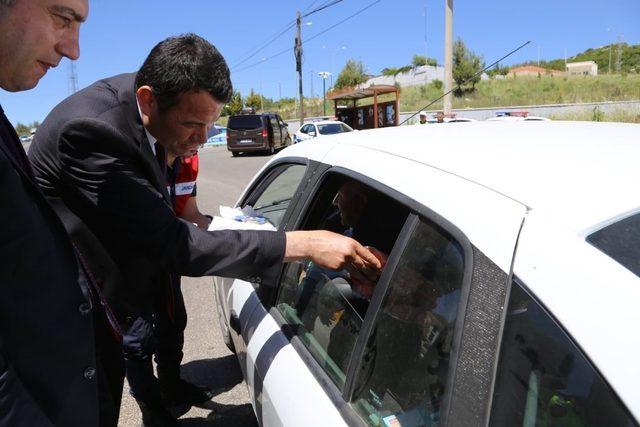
470 78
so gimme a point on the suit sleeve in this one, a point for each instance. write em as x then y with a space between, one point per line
104 174
17 408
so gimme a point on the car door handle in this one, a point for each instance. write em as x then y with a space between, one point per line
234 323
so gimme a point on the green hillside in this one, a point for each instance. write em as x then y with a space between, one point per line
629 59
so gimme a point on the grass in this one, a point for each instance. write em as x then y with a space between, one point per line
532 91
520 91
597 115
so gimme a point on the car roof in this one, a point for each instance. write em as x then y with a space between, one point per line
577 172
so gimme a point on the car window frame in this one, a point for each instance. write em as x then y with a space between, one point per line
342 398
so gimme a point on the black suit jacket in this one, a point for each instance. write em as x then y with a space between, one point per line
92 158
46 325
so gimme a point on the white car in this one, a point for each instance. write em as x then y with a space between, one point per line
320 128
509 294
516 116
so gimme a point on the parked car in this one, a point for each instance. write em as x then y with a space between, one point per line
257 132
516 116
509 294
217 135
320 128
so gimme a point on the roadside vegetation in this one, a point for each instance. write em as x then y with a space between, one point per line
510 91
618 80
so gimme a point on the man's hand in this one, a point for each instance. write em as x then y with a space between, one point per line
332 251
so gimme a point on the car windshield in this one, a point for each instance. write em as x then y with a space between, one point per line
621 241
332 128
244 122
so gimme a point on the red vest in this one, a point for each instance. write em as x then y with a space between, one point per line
185 182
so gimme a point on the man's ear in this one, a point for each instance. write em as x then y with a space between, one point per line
146 100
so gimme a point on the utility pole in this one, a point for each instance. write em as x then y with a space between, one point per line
425 31
311 82
73 78
619 55
298 53
448 55
324 75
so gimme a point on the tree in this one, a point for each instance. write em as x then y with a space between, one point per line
419 60
22 129
234 106
253 100
466 65
498 70
351 75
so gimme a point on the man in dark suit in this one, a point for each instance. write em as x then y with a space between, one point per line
51 319
100 157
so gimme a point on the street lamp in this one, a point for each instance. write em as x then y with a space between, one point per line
332 54
324 75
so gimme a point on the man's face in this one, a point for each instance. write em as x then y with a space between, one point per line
350 204
34 36
184 127
440 117
423 119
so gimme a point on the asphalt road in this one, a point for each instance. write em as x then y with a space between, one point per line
207 361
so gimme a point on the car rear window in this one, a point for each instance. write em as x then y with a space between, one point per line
331 128
621 241
244 122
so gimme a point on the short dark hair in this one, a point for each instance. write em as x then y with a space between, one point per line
179 64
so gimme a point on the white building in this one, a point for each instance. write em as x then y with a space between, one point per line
584 68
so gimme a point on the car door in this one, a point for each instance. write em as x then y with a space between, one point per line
272 195
303 132
277 132
366 351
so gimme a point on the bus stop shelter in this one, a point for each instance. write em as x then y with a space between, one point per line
368 116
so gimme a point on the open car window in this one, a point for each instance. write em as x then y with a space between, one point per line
413 330
273 199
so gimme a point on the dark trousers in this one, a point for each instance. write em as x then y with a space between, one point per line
110 372
160 332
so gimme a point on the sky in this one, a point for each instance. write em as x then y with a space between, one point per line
119 34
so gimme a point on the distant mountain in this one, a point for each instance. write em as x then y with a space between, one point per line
629 59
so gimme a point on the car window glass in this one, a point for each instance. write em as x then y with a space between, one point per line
330 128
274 123
543 379
312 130
274 200
403 374
245 122
304 129
621 241
326 308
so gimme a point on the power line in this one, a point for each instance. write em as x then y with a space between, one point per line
324 6
282 52
467 80
262 47
253 52
345 19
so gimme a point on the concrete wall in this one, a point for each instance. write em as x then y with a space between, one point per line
415 77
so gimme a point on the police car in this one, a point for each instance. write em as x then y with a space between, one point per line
509 293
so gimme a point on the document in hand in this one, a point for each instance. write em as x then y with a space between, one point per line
237 219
